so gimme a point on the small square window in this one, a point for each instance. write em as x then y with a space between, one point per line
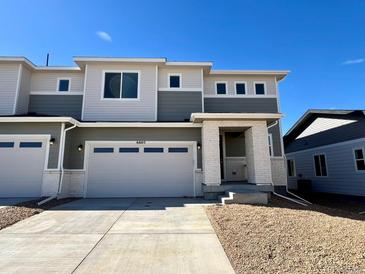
240 88
174 81
260 88
64 85
359 159
221 88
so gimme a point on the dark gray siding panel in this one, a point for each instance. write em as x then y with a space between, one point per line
236 105
53 129
275 131
75 159
178 105
58 105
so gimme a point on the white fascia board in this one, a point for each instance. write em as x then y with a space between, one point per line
279 73
19 119
138 125
199 64
55 68
112 59
198 117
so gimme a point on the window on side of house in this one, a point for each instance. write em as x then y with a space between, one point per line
240 88
359 159
63 85
271 149
121 85
291 168
320 165
174 81
221 88
260 88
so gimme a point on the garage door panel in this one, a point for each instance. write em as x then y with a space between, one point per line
21 168
132 172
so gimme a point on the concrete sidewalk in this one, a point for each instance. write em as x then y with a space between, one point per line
157 235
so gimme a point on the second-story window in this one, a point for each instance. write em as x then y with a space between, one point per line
174 80
63 85
121 85
221 88
240 88
260 88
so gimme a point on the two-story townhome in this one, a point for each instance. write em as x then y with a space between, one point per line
137 127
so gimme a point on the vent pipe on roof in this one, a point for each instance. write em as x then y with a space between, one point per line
47 59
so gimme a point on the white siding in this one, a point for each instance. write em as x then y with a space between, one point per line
23 96
47 81
191 77
8 85
209 83
96 109
342 175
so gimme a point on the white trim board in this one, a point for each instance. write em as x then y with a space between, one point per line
239 96
18 83
56 93
327 146
181 89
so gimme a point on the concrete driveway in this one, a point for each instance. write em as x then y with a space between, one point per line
157 235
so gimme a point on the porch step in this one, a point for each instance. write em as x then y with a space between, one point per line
245 197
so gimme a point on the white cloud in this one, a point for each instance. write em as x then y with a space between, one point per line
104 36
354 61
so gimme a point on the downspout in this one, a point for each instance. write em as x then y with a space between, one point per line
62 150
286 185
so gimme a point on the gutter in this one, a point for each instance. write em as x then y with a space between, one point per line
62 169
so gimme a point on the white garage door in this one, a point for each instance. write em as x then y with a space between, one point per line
22 161
123 169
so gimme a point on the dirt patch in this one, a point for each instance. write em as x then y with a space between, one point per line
287 238
13 214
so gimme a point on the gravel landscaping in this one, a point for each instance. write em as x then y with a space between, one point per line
284 237
13 214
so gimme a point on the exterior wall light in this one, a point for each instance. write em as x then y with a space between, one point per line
80 148
199 146
52 141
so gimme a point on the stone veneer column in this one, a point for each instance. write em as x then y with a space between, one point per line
210 153
257 154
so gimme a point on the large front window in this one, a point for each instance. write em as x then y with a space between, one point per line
121 85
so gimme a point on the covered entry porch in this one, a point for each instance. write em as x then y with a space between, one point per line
243 162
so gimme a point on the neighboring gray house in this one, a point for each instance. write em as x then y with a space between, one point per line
328 148
137 127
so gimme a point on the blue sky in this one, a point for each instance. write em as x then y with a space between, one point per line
322 43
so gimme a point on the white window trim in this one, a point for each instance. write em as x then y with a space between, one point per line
314 164
121 85
271 146
58 84
260 82
221 82
235 87
294 168
174 74
354 157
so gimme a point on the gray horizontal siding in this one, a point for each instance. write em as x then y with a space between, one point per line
53 129
58 105
237 105
178 105
342 176
75 159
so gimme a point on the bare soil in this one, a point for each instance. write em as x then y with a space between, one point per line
13 214
284 237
